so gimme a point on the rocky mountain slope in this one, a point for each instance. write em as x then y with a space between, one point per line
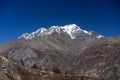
100 60
51 47
69 48
12 71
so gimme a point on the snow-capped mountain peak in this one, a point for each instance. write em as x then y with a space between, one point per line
41 30
72 30
33 34
53 29
70 27
25 35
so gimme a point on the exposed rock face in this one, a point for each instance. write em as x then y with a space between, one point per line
7 70
12 71
51 47
100 60
68 48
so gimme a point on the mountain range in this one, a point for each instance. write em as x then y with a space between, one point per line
68 48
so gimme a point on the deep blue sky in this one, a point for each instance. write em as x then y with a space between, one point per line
20 16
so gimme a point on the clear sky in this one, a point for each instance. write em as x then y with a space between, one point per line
20 16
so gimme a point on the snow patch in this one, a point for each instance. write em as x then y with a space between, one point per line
25 35
100 36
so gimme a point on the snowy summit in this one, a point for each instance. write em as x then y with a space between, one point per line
72 30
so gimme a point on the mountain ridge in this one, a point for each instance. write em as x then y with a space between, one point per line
57 47
85 55
72 30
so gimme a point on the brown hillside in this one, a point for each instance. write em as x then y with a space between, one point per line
12 71
102 60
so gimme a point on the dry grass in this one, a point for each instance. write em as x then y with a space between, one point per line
3 76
